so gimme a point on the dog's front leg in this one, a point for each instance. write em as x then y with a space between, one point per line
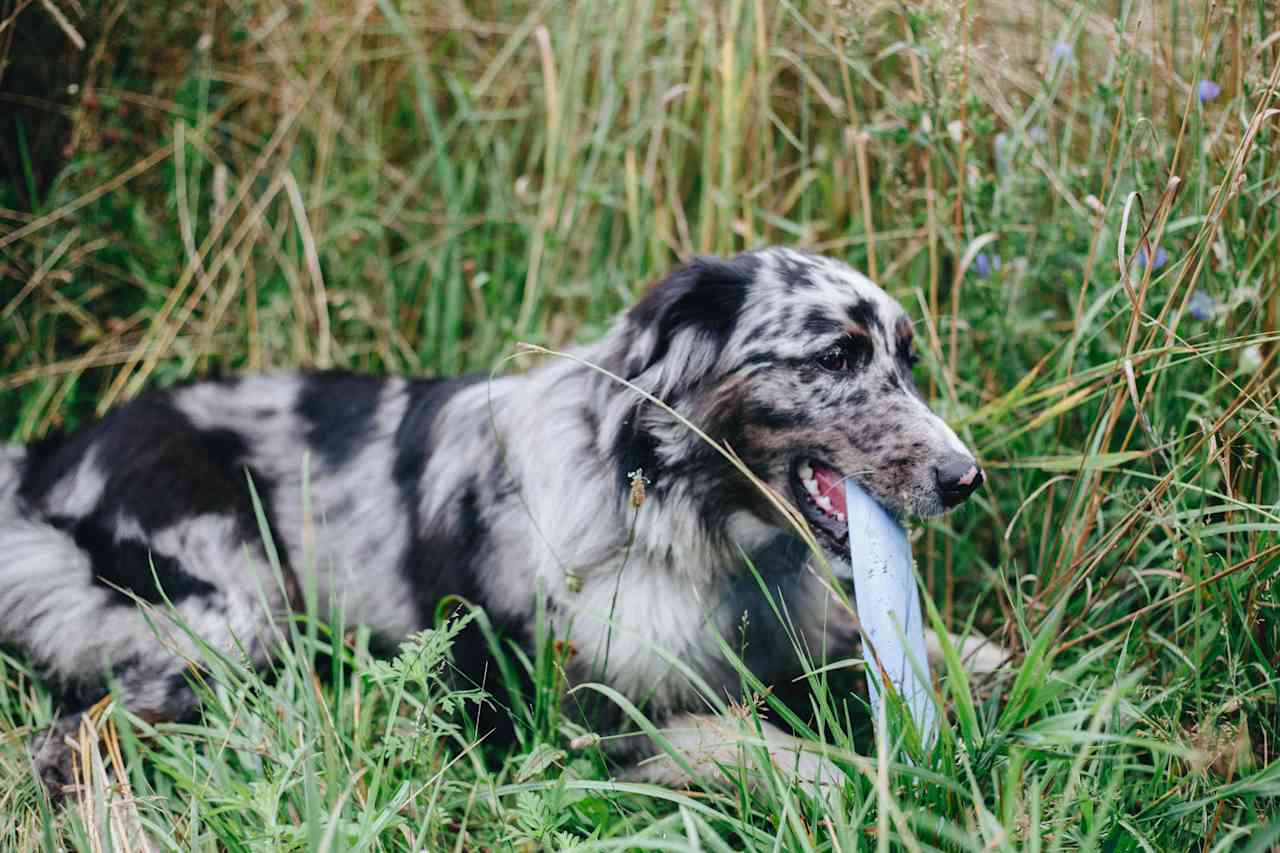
707 748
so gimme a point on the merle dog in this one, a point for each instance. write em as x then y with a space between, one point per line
499 491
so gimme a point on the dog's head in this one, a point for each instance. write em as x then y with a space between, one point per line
804 367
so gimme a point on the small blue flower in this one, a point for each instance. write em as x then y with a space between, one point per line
1202 306
1161 258
1208 90
985 264
1062 51
1037 134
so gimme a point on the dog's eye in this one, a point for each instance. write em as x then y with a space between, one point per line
834 360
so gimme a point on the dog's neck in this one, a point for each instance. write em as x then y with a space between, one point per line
640 486
614 518
598 501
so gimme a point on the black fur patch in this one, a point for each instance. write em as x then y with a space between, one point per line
442 557
339 410
904 351
794 272
634 448
424 557
757 359
48 461
159 470
818 323
706 295
157 465
446 561
760 415
863 312
413 441
125 565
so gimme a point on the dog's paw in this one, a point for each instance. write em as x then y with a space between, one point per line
981 657
53 756
710 749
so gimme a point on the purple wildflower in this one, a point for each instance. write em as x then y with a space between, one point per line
984 265
1202 306
1208 90
1161 257
1063 51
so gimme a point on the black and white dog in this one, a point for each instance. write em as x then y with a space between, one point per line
498 491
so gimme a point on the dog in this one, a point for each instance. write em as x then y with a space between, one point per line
577 488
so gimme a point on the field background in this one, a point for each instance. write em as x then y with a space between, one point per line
1077 201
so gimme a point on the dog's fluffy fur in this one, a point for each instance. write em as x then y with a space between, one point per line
496 491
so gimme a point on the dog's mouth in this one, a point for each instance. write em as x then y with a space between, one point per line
819 492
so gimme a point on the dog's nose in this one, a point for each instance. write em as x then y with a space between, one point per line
957 478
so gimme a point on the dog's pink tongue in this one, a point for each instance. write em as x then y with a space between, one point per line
831 484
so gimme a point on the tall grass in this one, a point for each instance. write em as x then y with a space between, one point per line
1091 250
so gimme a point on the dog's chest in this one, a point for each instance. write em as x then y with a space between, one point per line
640 631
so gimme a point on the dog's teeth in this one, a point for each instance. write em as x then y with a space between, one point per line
812 485
806 472
825 503
840 517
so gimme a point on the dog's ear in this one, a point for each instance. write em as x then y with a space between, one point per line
704 297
